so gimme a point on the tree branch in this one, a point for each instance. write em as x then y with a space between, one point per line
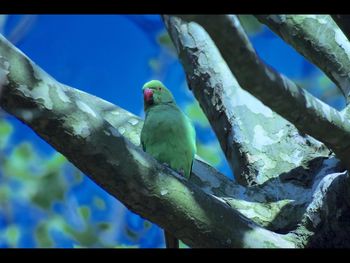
325 222
257 142
319 39
66 119
307 113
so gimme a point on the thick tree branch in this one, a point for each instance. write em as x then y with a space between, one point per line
257 142
66 118
326 220
320 40
307 113
268 205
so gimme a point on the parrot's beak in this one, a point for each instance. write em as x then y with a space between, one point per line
148 96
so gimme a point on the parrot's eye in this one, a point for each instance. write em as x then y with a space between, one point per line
159 88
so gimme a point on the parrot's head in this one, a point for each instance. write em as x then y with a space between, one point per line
155 93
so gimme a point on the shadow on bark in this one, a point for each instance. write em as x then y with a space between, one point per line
331 229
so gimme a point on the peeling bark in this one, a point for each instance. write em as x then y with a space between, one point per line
307 113
257 142
326 220
320 40
76 124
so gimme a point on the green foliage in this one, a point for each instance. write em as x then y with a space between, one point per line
77 176
42 235
78 246
195 113
131 234
104 226
12 235
5 133
328 89
85 212
99 203
38 183
126 246
209 151
164 40
250 24
154 64
56 162
50 189
87 237
4 193
324 82
319 85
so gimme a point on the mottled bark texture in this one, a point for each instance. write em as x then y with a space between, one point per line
308 194
89 132
307 113
320 40
299 195
258 143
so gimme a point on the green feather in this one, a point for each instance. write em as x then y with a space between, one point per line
168 134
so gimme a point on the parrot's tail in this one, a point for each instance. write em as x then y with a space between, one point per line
170 240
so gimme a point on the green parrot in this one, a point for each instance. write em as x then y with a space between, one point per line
167 135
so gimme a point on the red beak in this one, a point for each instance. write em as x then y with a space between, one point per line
148 96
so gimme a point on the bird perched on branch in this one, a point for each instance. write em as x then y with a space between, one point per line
167 135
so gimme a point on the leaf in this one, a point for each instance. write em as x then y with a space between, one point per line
42 236
154 64
56 162
6 130
24 151
250 24
164 39
5 193
57 222
195 113
324 82
86 238
209 152
50 188
104 226
17 164
132 234
77 175
99 203
84 212
12 235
